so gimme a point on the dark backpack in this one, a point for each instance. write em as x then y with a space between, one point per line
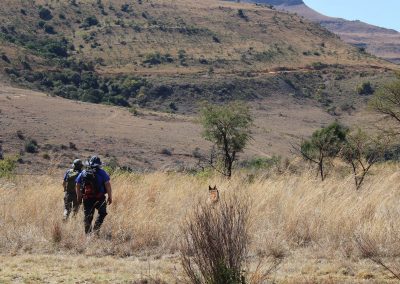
90 188
71 177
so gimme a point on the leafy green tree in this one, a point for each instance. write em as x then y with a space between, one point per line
228 127
323 145
362 152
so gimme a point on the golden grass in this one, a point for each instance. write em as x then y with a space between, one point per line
296 216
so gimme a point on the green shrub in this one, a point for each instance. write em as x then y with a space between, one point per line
173 106
5 58
90 21
242 15
46 156
59 49
31 146
126 8
49 29
45 14
365 89
319 65
157 58
134 111
7 167
261 163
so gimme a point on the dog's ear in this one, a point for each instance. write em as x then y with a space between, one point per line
215 187
209 187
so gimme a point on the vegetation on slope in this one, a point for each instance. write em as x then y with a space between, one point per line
145 52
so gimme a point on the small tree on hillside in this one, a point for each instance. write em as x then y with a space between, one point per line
324 144
386 101
228 127
361 152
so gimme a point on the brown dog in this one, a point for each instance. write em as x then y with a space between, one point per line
213 194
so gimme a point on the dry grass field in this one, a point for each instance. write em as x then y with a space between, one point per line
311 225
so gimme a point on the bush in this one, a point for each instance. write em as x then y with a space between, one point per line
319 65
45 14
58 49
134 111
90 21
31 146
126 8
166 152
49 29
5 58
365 89
157 58
20 135
7 167
242 15
215 242
46 156
261 163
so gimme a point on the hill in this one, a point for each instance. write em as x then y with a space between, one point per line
166 55
145 140
379 41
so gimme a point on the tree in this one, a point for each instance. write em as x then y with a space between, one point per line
361 152
228 127
324 144
386 100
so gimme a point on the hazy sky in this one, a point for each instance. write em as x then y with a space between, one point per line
384 13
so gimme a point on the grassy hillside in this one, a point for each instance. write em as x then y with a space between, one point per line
150 52
312 225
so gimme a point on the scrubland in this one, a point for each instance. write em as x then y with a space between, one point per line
314 228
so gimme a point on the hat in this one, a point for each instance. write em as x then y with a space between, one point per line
95 162
77 164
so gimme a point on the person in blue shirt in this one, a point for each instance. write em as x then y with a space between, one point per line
70 198
92 186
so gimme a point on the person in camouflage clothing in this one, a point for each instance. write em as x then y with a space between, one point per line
70 199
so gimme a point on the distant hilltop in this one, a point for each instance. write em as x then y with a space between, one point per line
280 2
382 42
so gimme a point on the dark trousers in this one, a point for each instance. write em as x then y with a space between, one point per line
70 204
89 207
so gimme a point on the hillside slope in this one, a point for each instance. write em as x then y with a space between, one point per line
65 130
382 42
165 53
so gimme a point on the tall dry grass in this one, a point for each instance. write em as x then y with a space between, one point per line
288 212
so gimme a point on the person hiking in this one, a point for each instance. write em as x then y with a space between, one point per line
70 197
92 185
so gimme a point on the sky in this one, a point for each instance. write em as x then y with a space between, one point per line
383 13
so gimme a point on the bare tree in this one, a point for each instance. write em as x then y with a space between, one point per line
362 152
